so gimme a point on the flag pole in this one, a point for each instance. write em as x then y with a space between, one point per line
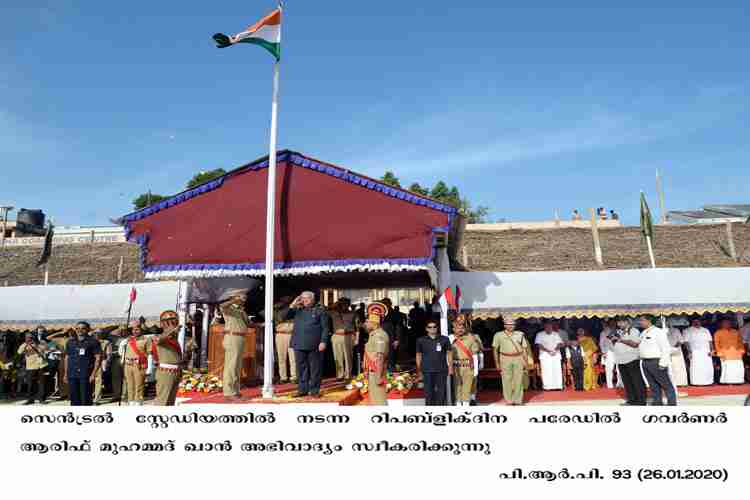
651 252
270 239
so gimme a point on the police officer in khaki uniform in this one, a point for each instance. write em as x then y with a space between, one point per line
236 324
106 358
344 330
135 361
465 358
167 356
376 354
512 357
284 354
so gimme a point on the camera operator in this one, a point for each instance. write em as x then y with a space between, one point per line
626 340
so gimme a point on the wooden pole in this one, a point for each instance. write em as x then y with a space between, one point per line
595 235
119 269
730 238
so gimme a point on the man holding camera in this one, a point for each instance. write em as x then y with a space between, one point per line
36 364
309 339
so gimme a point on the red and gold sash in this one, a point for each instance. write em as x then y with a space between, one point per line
459 343
170 343
142 361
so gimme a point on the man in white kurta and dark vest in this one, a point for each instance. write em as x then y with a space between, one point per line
678 370
700 344
550 359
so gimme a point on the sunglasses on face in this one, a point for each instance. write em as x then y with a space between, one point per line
432 328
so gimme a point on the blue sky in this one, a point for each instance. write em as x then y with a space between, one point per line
527 107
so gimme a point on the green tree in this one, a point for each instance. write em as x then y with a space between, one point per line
417 189
203 177
440 191
390 179
147 199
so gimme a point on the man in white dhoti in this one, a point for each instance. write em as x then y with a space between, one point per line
608 355
550 360
730 350
701 346
677 370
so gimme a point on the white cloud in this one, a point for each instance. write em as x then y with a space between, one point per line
457 141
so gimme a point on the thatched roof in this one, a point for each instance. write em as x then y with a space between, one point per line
71 265
570 249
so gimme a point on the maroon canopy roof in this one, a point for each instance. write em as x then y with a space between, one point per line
328 219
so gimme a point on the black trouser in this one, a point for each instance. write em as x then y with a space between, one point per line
36 382
435 387
635 389
81 390
308 370
658 381
577 372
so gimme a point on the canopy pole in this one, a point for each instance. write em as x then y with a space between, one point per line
270 240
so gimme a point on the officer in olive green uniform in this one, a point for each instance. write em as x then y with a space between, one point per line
376 354
236 324
465 357
135 362
343 338
512 355
106 347
283 339
167 356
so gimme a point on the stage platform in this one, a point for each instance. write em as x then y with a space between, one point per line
335 393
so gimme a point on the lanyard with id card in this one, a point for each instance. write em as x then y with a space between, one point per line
82 351
438 347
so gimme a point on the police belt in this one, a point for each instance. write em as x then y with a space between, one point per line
133 362
510 354
169 367
341 332
236 334
462 363
283 333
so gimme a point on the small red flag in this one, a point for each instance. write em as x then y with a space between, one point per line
132 295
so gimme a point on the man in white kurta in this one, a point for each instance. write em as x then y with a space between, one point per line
550 360
700 345
677 370
608 355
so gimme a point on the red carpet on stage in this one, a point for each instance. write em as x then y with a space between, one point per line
331 392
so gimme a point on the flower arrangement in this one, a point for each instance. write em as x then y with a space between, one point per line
198 381
401 382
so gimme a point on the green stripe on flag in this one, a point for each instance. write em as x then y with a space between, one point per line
273 48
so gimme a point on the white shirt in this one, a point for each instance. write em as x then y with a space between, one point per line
548 340
625 354
698 339
605 345
675 338
655 344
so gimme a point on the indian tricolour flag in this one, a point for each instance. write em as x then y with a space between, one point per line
266 33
